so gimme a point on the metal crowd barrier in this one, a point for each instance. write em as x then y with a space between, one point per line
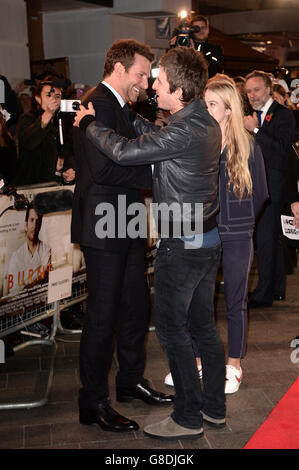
12 323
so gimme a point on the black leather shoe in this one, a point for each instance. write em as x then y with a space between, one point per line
279 297
254 304
144 392
107 418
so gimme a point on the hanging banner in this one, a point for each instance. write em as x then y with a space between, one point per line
32 246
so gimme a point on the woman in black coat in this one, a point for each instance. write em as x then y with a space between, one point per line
41 156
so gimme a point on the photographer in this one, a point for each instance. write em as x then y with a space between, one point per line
42 158
11 105
199 32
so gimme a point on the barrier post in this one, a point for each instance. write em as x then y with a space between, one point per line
2 91
2 352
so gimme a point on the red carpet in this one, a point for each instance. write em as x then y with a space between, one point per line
281 428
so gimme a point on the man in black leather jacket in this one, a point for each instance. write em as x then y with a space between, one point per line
117 304
185 154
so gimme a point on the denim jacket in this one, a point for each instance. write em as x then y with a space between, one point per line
237 218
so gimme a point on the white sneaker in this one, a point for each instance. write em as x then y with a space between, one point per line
169 381
233 379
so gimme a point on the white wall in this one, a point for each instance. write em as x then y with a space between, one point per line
123 27
262 21
14 54
144 6
85 35
81 35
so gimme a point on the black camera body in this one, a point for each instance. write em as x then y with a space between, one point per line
184 34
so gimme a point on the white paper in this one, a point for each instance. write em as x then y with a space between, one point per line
60 283
288 227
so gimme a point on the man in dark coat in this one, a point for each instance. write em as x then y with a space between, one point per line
274 128
212 52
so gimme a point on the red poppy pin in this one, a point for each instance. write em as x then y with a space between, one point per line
269 117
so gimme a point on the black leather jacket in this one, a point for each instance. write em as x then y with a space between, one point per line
186 155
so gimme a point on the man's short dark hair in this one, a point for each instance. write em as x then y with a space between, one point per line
124 51
264 75
187 69
29 207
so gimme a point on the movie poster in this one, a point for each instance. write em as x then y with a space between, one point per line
32 245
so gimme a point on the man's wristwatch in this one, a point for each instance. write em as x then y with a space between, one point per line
255 130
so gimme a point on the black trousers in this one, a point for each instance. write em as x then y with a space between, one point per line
116 305
270 257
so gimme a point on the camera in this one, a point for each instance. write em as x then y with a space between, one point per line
70 106
152 101
184 32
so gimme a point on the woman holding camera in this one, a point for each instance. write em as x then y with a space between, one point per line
41 156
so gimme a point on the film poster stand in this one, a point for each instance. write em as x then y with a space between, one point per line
12 323
16 321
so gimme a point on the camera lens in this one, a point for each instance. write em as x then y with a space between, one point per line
196 29
183 41
76 105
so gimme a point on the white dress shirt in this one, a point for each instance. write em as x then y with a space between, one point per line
265 109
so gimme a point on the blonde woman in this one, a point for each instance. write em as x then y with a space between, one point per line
242 192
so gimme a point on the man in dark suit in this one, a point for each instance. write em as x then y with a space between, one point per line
114 264
274 127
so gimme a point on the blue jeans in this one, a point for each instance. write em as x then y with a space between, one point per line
184 308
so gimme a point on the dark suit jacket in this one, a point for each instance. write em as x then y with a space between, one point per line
275 138
212 52
99 180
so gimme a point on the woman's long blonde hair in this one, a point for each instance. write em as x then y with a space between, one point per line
236 137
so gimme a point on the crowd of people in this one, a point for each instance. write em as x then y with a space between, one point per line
224 142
